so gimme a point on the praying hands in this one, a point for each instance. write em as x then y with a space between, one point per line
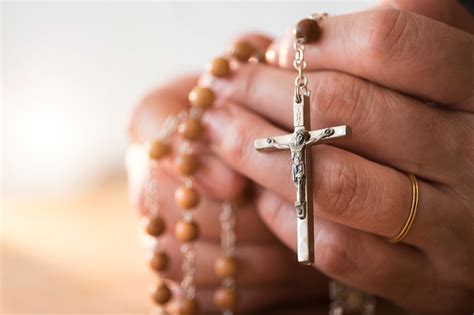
401 76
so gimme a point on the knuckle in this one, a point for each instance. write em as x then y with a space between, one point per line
389 34
334 258
343 193
342 97
326 91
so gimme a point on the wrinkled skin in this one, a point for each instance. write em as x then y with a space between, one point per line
401 75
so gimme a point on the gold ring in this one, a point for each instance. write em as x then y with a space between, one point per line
411 216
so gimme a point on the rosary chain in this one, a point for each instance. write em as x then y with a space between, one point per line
300 64
347 299
227 219
189 269
228 240
152 202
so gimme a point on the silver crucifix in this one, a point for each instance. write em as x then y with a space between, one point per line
297 143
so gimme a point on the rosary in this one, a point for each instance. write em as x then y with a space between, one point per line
187 124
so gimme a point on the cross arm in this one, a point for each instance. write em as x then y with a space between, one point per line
338 132
273 143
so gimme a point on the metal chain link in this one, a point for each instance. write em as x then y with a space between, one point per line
228 239
351 300
301 81
189 269
152 202
227 219
169 127
300 64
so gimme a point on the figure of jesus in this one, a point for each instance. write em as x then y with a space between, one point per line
297 146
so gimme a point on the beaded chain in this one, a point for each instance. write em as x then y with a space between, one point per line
187 124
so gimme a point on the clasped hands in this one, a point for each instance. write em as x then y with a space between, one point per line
401 75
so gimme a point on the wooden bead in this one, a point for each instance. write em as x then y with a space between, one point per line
201 97
186 231
308 29
242 51
158 149
226 299
162 294
188 307
155 226
190 129
219 67
225 267
159 262
186 164
186 197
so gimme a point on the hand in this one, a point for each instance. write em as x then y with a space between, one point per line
403 82
269 275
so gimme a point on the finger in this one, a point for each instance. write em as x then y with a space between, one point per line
356 258
259 265
255 298
149 115
259 41
350 189
206 213
447 11
170 99
397 49
212 176
383 121
147 121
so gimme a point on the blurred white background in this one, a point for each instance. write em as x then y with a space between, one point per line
71 72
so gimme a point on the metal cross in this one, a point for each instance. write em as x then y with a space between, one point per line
297 143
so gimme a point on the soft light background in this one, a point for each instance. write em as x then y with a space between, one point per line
71 72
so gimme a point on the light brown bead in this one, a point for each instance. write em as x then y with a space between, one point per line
155 226
186 164
190 129
186 197
159 262
226 299
158 149
219 67
162 294
308 29
225 267
201 97
188 307
242 51
186 231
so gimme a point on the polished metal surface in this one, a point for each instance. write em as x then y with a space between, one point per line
301 171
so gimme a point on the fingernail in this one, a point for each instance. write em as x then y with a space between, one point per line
217 121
